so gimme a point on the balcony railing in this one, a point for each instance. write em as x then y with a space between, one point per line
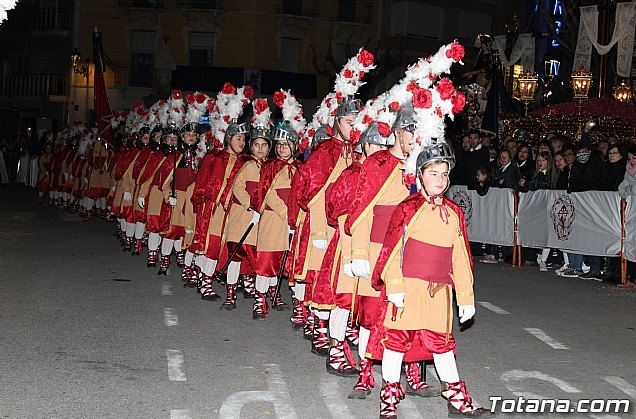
307 8
145 4
32 85
48 19
354 11
199 4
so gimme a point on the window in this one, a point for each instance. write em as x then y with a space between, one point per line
201 49
407 18
347 10
290 54
142 61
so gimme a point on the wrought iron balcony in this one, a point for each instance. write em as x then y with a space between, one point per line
306 8
32 85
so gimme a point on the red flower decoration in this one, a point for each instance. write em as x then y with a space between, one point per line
422 98
226 118
439 113
211 104
411 86
394 106
200 98
354 135
339 96
361 74
365 58
260 105
248 92
458 101
311 133
177 94
347 74
408 179
304 144
367 120
190 98
279 98
384 129
445 88
456 51
228 89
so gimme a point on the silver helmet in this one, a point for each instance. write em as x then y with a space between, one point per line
284 132
320 135
372 136
190 127
261 131
235 128
349 106
406 118
440 152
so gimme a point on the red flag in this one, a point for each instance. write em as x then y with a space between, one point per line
103 113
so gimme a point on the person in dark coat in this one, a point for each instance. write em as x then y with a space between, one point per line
590 166
563 171
507 173
524 161
614 168
469 161
541 179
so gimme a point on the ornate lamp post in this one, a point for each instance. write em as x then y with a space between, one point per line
623 92
581 82
75 60
527 83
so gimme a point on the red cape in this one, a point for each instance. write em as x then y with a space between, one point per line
376 170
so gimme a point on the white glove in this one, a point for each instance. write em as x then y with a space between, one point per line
141 201
466 313
348 270
320 244
127 196
256 217
397 299
290 231
361 268
172 200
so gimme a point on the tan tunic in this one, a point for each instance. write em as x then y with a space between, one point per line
421 311
366 243
273 227
239 217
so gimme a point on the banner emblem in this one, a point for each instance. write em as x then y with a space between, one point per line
563 214
462 199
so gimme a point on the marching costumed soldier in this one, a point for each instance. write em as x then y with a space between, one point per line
177 196
243 216
99 181
424 257
67 169
127 184
150 159
214 181
81 172
154 202
270 201
62 148
44 174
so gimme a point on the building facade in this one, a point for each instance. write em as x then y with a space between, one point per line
153 46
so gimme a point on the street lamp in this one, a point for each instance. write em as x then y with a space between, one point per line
527 86
581 82
77 69
622 92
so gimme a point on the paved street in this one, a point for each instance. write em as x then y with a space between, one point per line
87 331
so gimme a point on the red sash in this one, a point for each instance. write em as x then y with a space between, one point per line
427 261
381 217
